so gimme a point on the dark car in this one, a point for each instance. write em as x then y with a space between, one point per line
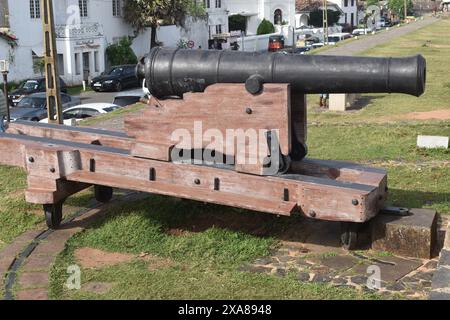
276 43
33 107
117 78
31 86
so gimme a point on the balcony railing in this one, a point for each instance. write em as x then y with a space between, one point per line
79 31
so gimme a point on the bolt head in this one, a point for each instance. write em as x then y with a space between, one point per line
355 202
52 170
31 159
312 213
249 110
197 181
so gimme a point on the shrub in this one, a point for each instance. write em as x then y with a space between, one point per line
265 27
121 52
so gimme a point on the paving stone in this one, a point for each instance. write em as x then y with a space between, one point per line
427 276
397 286
263 261
339 281
361 280
33 280
431 264
441 278
413 235
38 263
303 276
32 294
339 262
321 278
401 267
284 259
444 257
280 272
435 295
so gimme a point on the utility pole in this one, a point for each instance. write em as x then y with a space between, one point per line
54 110
325 22
405 4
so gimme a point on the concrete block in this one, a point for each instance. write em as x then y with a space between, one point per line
432 142
342 101
412 236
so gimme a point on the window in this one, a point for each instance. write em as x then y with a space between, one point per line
278 17
346 21
38 63
83 4
96 62
207 4
345 3
77 64
218 29
61 64
117 8
218 3
35 9
353 3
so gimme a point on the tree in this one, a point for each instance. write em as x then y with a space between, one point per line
398 6
237 22
265 27
121 52
142 14
316 17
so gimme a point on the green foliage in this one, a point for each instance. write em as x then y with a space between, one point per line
265 27
142 14
398 6
372 3
121 52
237 22
316 17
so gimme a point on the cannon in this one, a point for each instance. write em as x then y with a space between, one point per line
221 127
173 72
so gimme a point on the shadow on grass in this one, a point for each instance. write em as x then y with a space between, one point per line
364 101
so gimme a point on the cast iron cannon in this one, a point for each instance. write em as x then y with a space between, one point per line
173 72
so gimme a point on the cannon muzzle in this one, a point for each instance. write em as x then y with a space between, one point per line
173 72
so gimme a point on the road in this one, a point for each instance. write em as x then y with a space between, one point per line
366 43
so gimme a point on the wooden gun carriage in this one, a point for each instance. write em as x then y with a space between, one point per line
61 161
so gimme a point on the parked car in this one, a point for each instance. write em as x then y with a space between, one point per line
361 31
310 41
31 86
73 115
116 79
302 50
34 106
276 43
336 37
130 97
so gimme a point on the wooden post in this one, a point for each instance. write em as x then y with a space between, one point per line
54 109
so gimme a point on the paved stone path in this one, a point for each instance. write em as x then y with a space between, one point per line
317 257
371 41
441 278
31 279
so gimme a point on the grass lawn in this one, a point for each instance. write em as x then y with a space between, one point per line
207 264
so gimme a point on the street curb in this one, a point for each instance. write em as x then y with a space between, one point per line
440 285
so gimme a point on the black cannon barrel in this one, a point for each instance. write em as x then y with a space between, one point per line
172 72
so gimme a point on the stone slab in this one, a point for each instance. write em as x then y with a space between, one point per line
412 236
432 142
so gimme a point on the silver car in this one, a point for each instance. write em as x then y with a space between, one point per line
34 106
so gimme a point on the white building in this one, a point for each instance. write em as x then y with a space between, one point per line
84 29
276 11
350 9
